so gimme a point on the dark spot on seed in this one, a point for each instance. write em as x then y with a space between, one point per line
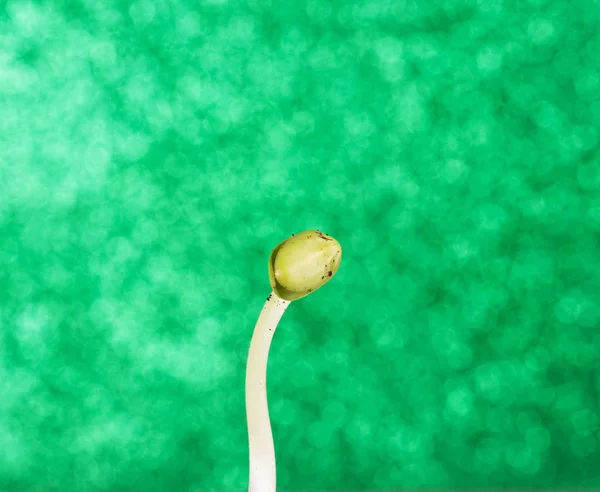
309 291
329 274
322 277
293 234
269 298
323 237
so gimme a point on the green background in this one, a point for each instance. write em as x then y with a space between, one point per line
153 153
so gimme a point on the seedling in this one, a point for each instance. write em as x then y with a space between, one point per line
297 266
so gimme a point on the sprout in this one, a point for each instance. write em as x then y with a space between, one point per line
298 266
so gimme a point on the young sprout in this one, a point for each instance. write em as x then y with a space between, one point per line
297 266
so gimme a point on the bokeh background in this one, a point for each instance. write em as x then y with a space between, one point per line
152 153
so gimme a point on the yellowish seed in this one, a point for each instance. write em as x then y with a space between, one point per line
303 263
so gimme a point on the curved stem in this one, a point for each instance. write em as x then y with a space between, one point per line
260 437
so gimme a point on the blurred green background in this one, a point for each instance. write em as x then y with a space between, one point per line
152 153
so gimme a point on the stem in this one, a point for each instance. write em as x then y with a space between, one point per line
260 437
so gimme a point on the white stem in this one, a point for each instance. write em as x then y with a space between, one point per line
260 438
